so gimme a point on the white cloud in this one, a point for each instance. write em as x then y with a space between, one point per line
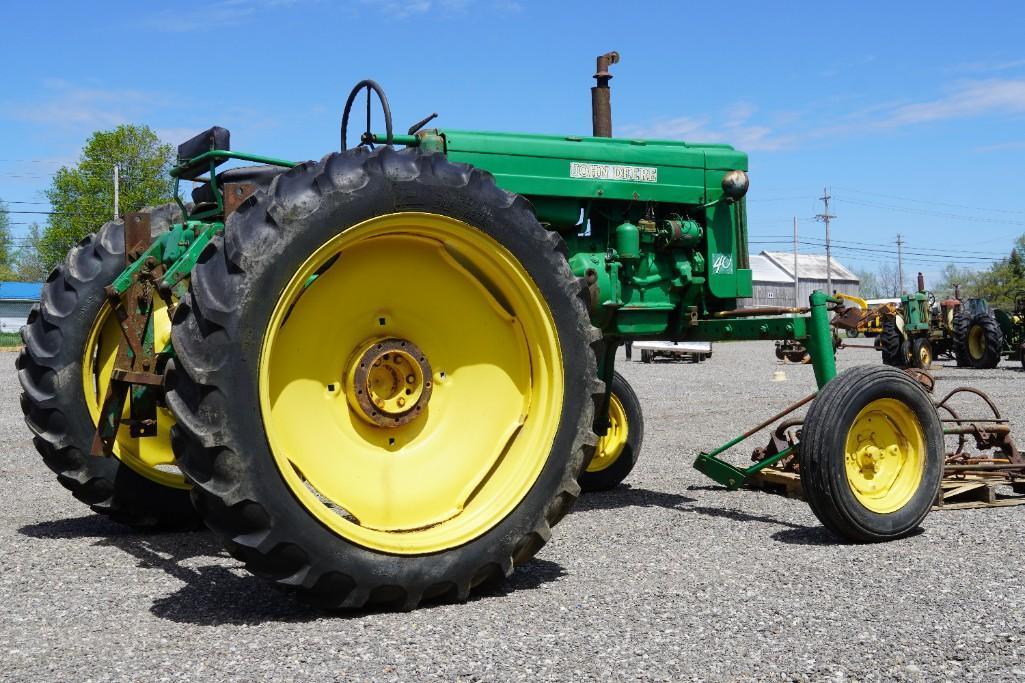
967 100
402 9
734 128
742 126
73 106
213 15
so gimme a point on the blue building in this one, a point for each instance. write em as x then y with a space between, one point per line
16 300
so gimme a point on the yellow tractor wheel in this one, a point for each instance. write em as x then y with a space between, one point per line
618 450
921 353
984 342
417 399
871 454
71 340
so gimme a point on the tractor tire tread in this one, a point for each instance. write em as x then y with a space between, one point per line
292 549
49 370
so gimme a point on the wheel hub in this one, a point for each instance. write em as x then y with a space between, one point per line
389 382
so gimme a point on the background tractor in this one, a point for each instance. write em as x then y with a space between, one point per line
979 336
384 376
1012 329
922 329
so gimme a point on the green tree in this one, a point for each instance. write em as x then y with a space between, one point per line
950 278
868 284
31 266
82 196
7 254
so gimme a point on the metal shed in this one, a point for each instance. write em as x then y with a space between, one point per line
773 278
16 300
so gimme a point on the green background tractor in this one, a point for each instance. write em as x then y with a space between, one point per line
384 376
1012 329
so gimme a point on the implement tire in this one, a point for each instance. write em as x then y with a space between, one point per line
871 454
984 342
617 452
317 491
891 342
55 378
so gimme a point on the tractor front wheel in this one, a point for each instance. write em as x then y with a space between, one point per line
871 454
922 353
617 451
386 380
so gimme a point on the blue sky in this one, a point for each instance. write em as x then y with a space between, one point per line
912 113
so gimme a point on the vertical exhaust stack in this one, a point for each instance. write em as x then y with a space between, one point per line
921 282
601 101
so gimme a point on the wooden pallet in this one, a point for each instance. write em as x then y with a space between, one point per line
961 493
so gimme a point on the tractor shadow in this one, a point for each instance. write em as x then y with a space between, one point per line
216 589
626 495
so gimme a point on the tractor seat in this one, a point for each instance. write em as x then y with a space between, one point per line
258 175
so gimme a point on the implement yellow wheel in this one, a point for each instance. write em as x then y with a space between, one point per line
885 455
399 431
150 456
871 454
385 380
620 447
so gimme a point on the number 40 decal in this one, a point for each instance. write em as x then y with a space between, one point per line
723 263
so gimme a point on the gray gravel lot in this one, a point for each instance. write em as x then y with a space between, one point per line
669 577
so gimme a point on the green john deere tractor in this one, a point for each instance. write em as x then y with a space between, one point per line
384 376
923 329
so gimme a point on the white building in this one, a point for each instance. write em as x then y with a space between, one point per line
773 278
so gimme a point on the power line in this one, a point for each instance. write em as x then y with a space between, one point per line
925 212
932 202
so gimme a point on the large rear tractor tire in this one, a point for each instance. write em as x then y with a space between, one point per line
892 345
984 342
386 380
617 452
871 454
71 340
960 332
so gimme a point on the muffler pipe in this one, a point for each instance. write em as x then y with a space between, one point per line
601 102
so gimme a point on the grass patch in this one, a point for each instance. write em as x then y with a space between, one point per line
10 340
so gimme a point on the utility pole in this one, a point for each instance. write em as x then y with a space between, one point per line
117 191
797 280
825 217
900 265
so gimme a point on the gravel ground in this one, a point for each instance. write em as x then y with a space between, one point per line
668 577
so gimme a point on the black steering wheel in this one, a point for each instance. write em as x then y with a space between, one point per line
367 138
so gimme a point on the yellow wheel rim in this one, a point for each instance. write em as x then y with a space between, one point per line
146 455
610 446
478 353
885 455
925 356
977 342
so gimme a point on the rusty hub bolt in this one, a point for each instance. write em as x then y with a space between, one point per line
389 382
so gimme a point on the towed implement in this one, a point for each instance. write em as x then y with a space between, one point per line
384 376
